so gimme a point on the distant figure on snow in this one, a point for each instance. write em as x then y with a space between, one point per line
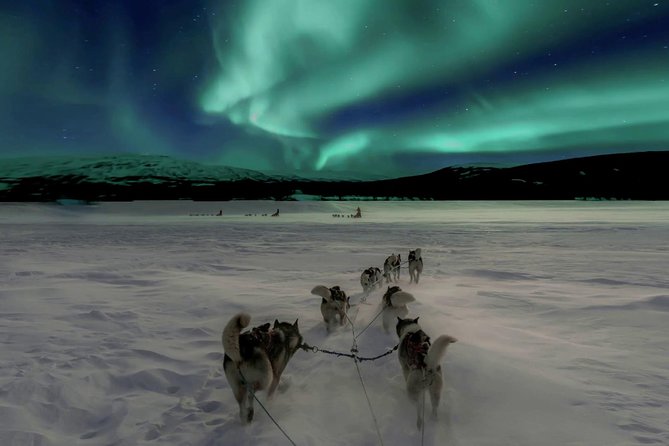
276 214
358 213
220 213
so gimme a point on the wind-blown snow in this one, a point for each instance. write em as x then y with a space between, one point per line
111 317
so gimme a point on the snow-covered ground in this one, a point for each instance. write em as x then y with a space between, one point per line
111 316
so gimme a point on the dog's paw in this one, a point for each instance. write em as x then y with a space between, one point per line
247 417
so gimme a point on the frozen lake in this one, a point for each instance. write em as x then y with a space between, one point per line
111 316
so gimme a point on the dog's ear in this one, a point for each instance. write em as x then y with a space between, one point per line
415 321
295 324
399 319
276 323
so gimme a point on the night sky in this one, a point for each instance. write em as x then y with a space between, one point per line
372 87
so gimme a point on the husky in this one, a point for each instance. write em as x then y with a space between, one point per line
334 305
420 361
391 268
394 304
370 279
415 265
254 360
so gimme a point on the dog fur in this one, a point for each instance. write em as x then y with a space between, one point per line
415 265
391 268
420 361
394 304
254 360
370 279
334 305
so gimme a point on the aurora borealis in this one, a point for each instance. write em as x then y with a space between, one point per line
372 87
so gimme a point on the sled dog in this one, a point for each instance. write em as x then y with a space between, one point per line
254 360
415 265
370 279
334 305
420 363
394 304
391 268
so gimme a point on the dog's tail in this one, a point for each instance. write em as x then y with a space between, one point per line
231 335
323 292
401 298
437 351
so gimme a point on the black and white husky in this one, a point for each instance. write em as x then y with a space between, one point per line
420 361
391 268
254 360
393 305
415 265
334 305
370 279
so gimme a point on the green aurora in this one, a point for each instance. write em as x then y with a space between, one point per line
305 86
294 62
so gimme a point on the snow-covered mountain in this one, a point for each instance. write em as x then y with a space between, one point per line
636 176
124 169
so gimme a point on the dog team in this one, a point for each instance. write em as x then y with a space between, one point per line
255 359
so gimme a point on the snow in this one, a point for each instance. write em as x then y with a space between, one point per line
111 316
123 169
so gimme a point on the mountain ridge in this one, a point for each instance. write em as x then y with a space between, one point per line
116 167
637 175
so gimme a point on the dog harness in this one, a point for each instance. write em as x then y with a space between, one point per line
370 272
339 296
386 297
394 263
417 346
257 337
412 256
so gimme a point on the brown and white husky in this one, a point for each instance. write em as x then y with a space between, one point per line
394 304
420 361
254 360
415 265
334 305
